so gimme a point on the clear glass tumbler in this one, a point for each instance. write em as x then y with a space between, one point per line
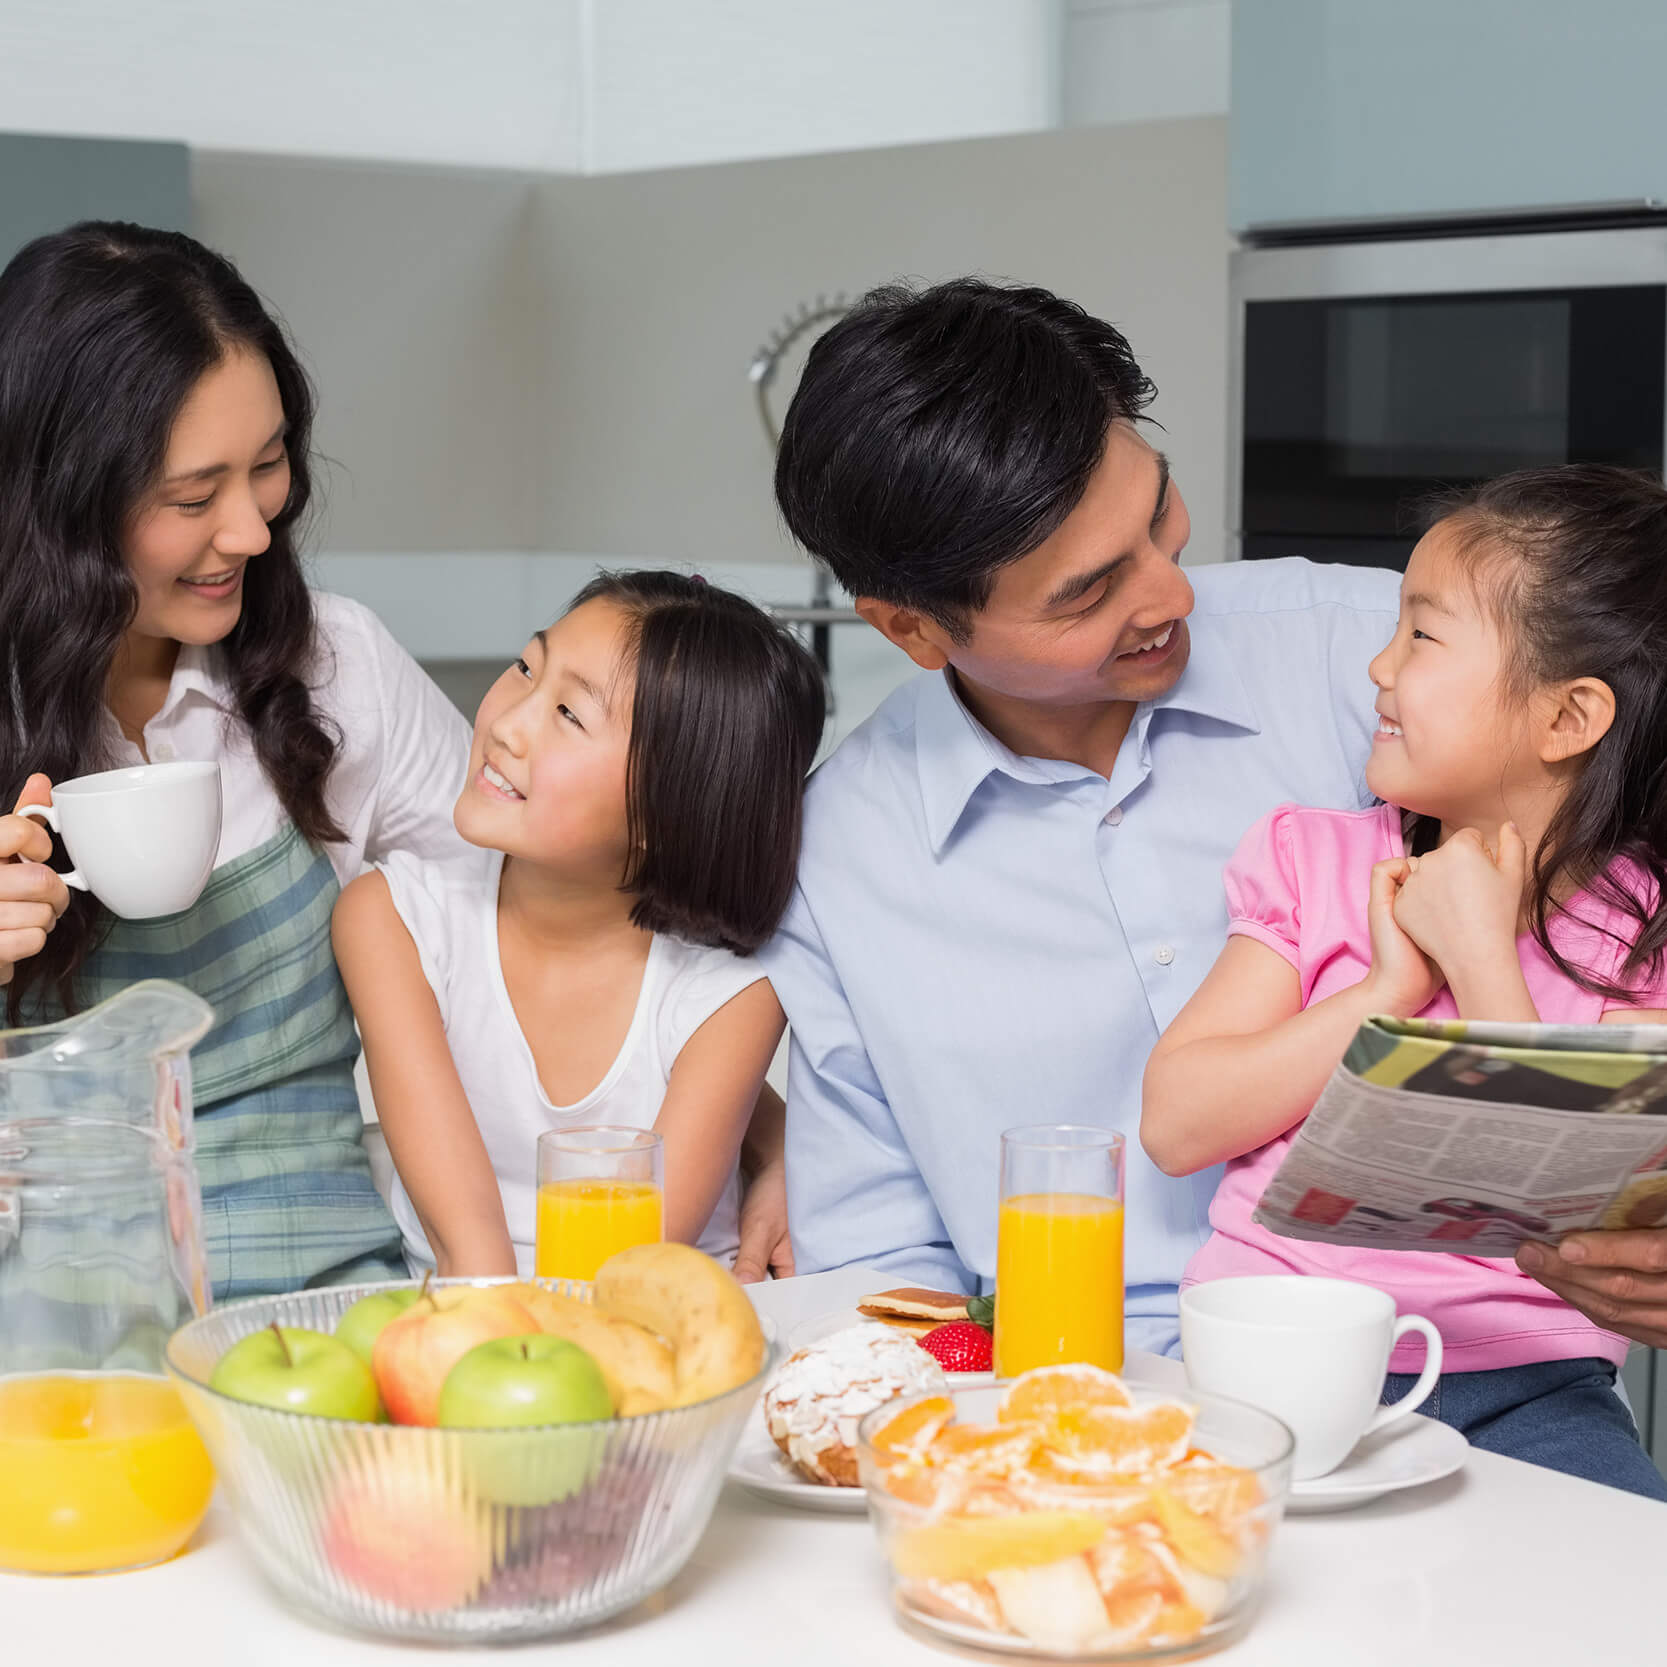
1059 1249
601 1189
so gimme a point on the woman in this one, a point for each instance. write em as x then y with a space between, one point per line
154 480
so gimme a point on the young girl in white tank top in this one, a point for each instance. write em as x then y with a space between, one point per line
634 791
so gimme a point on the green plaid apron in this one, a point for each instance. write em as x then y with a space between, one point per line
287 1193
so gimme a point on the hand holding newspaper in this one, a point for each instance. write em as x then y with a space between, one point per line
1470 1137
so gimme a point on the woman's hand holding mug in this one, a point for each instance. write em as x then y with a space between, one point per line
31 895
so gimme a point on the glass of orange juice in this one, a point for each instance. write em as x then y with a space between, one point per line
601 1188
101 1258
1059 1249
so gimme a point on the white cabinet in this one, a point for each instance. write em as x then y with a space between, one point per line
1365 110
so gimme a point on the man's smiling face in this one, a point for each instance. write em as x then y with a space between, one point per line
1097 612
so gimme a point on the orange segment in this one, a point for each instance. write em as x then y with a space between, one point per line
1219 1491
969 1548
1121 1500
1195 1538
1037 1396
1177 1623
1120 1441
927 1487
992 1449
914 1429
1130 1615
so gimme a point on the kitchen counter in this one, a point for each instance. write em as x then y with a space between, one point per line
1500 1563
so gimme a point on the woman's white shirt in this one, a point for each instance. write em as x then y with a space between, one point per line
451 912
404 746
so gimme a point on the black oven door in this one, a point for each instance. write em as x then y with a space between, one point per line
1358 410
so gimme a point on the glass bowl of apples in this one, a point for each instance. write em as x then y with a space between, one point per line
477 1461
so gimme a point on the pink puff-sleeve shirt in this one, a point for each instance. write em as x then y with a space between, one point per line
1298 883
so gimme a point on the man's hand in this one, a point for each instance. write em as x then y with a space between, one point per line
1616 1279
765 1246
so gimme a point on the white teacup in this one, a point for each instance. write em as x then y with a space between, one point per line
1313 1352
143 839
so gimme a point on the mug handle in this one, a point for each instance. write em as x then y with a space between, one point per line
49 815
1420 1391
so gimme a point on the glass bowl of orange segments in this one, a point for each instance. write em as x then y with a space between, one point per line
1070 1516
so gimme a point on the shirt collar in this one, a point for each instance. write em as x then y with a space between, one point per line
1211 686
956 754
199 671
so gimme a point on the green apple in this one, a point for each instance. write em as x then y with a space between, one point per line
295 1370
508 1391
362 1324
512 1382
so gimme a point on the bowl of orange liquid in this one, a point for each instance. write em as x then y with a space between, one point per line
1069 1515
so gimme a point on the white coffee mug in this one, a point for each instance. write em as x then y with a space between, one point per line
1313 1352
143 839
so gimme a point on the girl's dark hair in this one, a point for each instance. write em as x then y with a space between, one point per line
1573 562
726 716
104 330
937 435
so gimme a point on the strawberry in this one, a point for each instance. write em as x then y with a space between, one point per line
959 1346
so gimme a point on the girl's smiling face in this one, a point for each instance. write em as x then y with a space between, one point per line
1452 742
552 739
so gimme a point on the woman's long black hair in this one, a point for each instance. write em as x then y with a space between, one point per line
104 330
1573 560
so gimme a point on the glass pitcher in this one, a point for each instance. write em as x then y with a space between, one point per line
128 1060
101 1258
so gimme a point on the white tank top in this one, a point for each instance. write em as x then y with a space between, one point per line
451 912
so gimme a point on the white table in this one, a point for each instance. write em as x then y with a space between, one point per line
1503 1563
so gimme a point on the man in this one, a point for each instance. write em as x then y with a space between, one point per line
1011 878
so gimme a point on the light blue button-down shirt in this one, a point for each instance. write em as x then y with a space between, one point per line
981 940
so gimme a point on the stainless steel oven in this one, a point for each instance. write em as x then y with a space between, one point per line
1365 374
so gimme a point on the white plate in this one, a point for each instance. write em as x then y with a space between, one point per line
758 1465
1406 1455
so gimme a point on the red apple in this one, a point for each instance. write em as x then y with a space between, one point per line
413 1354
400 1535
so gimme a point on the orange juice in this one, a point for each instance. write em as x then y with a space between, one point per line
99 1471
582 1223
1059 1282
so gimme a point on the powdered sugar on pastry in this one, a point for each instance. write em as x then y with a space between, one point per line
820 1394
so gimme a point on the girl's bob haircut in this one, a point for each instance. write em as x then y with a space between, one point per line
726 716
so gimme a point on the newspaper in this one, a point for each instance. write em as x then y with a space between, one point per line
1443 1135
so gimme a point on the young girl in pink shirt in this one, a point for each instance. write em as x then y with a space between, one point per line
1514 871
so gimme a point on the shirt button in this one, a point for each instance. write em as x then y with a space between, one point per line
1163 955
1114 816
162 751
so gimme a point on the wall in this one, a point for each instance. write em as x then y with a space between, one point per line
1145 60
414 300
566 85
662 285
420 80
672 83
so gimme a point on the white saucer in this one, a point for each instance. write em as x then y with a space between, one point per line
1406 1455
758 1466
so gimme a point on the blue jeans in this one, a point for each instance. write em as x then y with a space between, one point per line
1562 1414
